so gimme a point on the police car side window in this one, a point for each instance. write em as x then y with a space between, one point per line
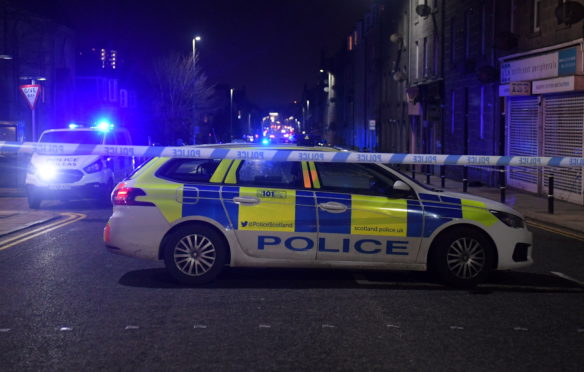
355 179
189 170
270 174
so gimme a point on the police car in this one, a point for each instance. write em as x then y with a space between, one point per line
199 215
77 176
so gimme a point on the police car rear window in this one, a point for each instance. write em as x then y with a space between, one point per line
188 170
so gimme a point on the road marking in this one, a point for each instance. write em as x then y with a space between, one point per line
199 326
558 231
65 329
520 329
265 326
4 330
392 326
569 278
128 327
457 327
20 238
328 326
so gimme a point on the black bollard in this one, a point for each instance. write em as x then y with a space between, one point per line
551 194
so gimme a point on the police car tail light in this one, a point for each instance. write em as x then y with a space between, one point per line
128 195
94 167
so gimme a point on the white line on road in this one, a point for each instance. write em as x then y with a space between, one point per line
569 278
520 329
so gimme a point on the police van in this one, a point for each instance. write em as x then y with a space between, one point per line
77 176
199 215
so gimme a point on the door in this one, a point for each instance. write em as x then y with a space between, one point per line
271 210
523 140
563 135
361 218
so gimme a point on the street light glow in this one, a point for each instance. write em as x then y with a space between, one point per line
197 38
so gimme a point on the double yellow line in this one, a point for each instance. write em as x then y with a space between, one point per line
20 238
558 231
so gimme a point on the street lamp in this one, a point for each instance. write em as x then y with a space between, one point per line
231 112
195 39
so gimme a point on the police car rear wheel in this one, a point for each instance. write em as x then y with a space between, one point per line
463 258
194 254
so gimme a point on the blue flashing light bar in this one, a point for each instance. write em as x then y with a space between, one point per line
265 141
104 126
73 126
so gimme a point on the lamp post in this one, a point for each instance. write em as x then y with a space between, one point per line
195 39
195 128
231 113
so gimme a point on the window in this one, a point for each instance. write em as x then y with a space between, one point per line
536 15
355 178
452 107
417 60
467 26
189 170
452 40
426 64
484 28
482 113
270 174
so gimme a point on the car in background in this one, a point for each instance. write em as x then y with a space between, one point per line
64 177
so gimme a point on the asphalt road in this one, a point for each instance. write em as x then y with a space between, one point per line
67 304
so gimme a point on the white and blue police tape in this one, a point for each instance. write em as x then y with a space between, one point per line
245 152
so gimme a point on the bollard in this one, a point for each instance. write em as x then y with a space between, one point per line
551 194
427 178
502 185
464 179
414 172
442 177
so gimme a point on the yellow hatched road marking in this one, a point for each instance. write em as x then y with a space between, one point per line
20 238
554 230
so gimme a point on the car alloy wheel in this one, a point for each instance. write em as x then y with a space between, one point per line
194 255
466 258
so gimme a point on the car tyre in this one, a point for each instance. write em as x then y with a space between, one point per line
194 254
34 200
462 257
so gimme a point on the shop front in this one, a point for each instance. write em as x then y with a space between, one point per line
544 109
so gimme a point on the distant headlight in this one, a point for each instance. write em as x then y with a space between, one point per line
509 219
94 167
46 172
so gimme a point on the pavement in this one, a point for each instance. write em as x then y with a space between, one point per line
567 216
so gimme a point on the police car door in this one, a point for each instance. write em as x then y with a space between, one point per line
272 210
361 217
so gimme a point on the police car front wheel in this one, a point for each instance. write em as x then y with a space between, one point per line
463 257
194 254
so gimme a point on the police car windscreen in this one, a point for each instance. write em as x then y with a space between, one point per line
88 137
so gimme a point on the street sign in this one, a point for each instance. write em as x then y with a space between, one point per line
31 93
371 124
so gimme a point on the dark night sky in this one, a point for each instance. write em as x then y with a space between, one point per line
270 46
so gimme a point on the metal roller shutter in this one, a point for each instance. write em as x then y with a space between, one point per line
522 139
563 128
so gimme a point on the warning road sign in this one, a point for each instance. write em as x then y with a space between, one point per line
31 93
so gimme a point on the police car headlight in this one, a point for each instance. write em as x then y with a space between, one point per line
47 172
94 167
509 219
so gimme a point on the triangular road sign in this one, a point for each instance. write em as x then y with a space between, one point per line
31 93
